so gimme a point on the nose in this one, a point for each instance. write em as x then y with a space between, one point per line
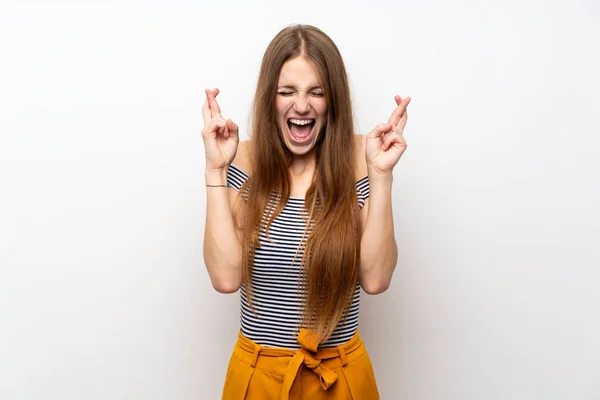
301 104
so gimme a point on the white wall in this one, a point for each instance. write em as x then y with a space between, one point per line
103 291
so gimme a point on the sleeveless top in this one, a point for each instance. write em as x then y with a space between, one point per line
276 275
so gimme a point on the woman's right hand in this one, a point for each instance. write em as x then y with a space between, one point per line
221 137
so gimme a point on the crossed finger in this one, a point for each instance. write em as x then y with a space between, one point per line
206 109
211 98
206 112
399 111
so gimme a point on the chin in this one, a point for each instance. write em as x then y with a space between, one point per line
300 150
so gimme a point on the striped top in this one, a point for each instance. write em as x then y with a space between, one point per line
276 278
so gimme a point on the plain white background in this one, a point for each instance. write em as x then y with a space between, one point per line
103 290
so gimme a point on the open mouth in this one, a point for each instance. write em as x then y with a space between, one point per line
301 129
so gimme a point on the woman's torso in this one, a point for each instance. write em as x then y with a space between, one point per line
276 313
277 296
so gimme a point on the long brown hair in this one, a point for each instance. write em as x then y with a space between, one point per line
331 259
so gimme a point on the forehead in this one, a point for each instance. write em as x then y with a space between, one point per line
298 72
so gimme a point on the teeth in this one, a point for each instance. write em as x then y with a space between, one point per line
301 121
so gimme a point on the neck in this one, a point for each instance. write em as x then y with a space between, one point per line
302 165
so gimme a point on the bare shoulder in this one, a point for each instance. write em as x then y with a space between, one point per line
361 163
242 157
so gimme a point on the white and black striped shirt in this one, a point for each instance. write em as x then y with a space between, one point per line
276 275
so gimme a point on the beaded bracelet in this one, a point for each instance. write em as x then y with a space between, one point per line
209 185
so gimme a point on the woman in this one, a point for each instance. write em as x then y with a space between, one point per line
306 223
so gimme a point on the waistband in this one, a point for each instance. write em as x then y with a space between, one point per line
309 356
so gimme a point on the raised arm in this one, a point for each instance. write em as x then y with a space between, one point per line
222 246
384 146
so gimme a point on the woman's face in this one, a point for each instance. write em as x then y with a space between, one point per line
301 106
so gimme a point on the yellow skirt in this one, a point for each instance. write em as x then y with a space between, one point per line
256 372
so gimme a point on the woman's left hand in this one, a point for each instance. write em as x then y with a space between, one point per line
385 144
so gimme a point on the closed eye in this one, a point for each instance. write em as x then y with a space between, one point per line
317 94
284 93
